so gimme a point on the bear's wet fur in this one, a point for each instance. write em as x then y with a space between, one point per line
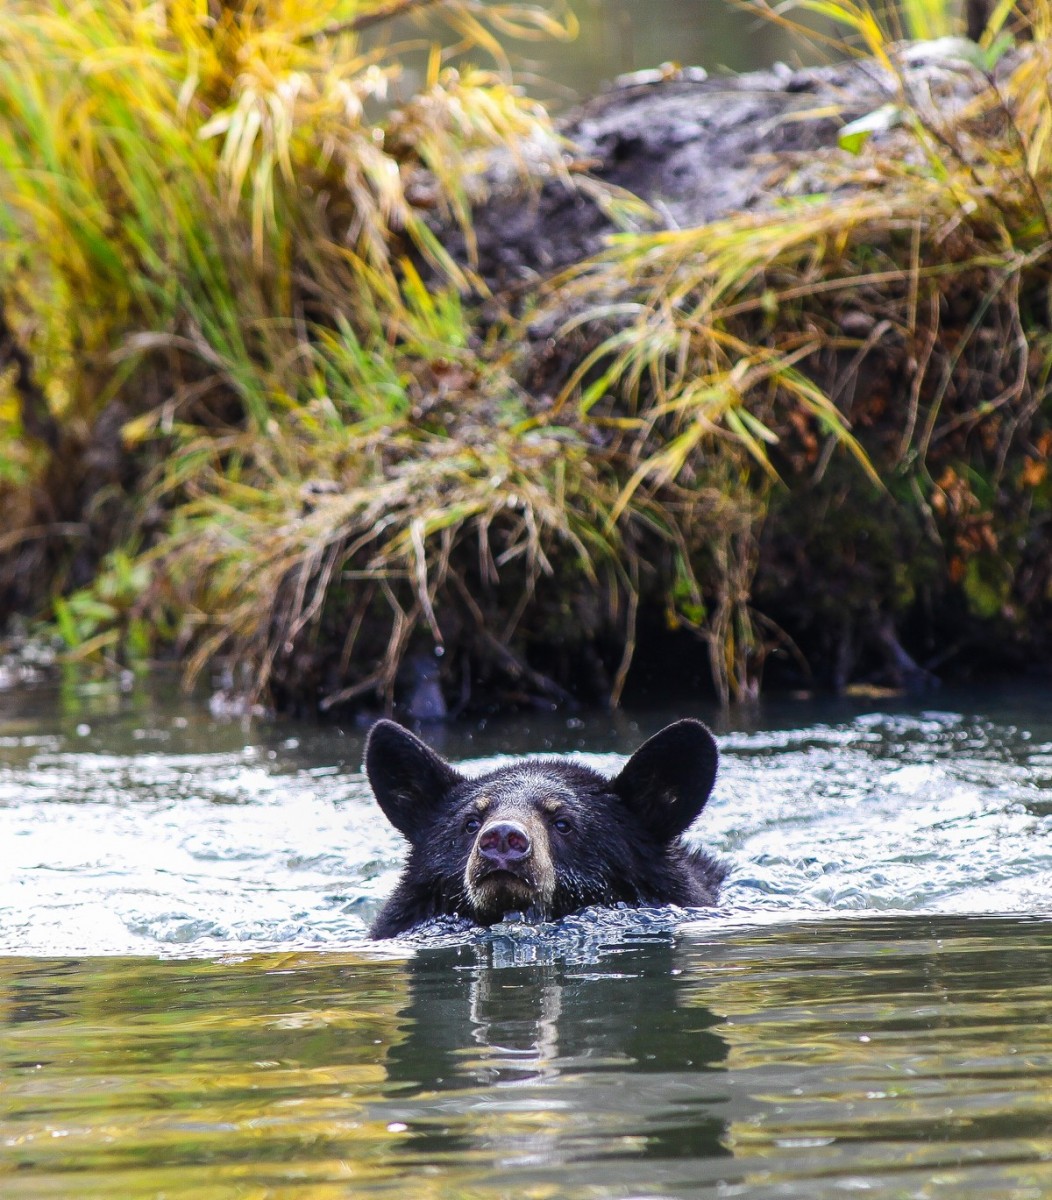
545 837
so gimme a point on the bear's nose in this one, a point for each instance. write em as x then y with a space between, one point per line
504 843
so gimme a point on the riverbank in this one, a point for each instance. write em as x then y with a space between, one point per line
399 423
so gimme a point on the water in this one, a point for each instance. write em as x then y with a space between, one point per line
619 37
188 1005
143 826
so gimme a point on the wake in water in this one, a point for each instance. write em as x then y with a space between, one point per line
195 854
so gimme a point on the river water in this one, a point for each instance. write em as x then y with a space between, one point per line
189 1008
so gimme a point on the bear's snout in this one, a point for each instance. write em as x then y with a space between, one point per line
504 844
509 868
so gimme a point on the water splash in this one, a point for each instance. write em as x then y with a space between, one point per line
149 843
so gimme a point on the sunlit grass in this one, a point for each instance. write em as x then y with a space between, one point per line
217 236
724 344
204 212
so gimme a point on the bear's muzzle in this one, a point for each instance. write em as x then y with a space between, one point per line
509 868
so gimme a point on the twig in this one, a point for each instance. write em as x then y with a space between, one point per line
389 12
31 533
510 661
630 640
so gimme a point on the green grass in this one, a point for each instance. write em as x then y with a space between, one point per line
205 213
215 235
728 344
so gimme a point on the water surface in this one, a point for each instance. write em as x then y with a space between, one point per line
893 1057
141 825
189 1007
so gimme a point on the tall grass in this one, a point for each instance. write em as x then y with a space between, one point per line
736 348
205 210
216 237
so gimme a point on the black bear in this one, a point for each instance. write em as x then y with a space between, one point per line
544 837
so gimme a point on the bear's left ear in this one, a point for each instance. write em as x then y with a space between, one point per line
669 778
408 779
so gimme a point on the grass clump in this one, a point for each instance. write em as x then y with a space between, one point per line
249 413
205 211
871 351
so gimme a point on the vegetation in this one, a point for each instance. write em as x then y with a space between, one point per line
907 294
253 414
204 224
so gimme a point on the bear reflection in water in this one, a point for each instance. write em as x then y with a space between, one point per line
544 837
587 1060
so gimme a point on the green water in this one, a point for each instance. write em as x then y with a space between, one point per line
189 1006
888 1057
619 37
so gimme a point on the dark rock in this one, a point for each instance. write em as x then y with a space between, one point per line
696 149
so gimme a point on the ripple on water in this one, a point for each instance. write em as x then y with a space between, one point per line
198 853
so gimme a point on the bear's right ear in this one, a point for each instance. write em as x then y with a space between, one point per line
408 779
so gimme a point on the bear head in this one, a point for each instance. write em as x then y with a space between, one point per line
544 837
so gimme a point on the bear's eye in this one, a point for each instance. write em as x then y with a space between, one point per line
472 825
562 825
